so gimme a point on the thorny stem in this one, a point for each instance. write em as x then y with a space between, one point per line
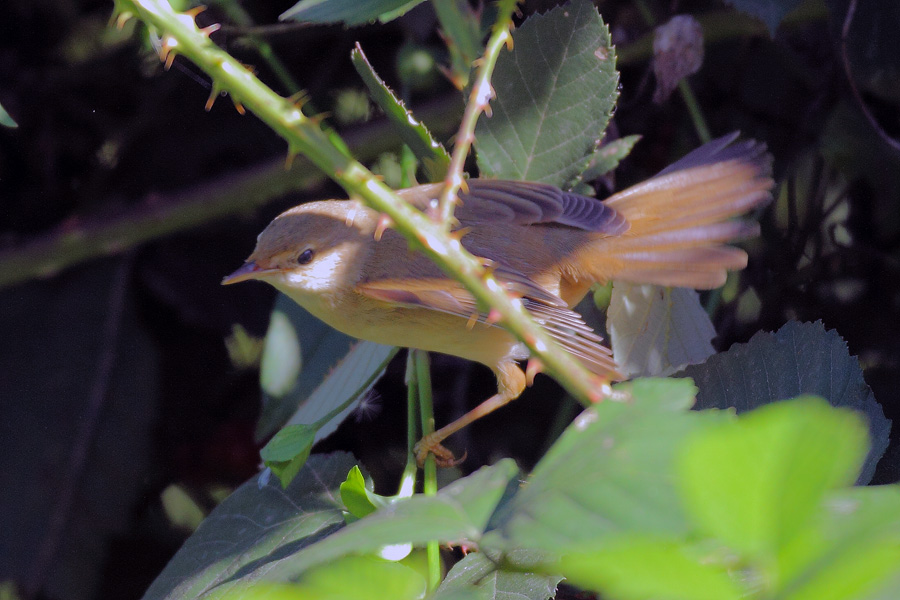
479 99
305 136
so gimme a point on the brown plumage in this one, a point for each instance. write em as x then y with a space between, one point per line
547 246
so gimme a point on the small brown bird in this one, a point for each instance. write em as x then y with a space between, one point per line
548 246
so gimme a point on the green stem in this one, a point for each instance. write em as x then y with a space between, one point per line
479 97
429 485
326 150
408 479
690 100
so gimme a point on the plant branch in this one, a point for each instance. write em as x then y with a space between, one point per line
479 99
325 150
85 238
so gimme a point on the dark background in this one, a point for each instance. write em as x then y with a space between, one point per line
115 380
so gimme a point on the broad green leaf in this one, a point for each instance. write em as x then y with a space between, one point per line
496 581
656 331
608 156
6 120
347 578
610 472
852 549
800 358
254 528
555 92
286 453
644 566
461 30
310 371
350 12
771 12
357 496
756 481
459 512
414 134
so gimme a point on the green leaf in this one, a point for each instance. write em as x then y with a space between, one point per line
350 12
644 566
496 581
356 496
800 358
656 331
288 450
608 156
347 578
771 12
611 471
854 551
459 512
414 134
6 120
316 378
257 526
555 92
758 480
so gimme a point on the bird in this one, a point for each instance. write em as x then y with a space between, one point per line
545 245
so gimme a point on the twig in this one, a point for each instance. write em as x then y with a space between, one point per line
429 485
479 99
845 33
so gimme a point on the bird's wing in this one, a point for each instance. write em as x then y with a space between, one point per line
523 203
448 296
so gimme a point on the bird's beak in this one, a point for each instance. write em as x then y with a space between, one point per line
250 270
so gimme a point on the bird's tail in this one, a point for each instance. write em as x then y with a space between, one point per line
681 219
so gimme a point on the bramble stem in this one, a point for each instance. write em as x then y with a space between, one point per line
325 150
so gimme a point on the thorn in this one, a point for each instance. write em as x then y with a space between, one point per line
460 233
207 31
213 94
530 340
457 81
473 318
463 187
238 106
193 12
250 68
299 99
123 18
488 111
533 367
493 317
170 58
384 222
289 160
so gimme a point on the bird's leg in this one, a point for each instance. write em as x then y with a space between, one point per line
510 383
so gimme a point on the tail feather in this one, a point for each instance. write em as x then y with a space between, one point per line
680 219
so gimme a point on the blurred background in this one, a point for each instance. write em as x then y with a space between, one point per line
129 377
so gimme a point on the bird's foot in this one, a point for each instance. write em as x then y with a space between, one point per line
443 457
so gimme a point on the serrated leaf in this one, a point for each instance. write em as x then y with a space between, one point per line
638 567
758 480
307 377
800 358
254 527
656 331
350 12
770 12
555 92
495 581
459 512
611 471
435 158
608 156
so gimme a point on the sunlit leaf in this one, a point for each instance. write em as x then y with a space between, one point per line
555 92
496 581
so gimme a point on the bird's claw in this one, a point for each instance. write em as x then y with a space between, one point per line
443 457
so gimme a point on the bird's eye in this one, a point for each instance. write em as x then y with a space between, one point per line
305 257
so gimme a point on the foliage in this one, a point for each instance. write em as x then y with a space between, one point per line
749 496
